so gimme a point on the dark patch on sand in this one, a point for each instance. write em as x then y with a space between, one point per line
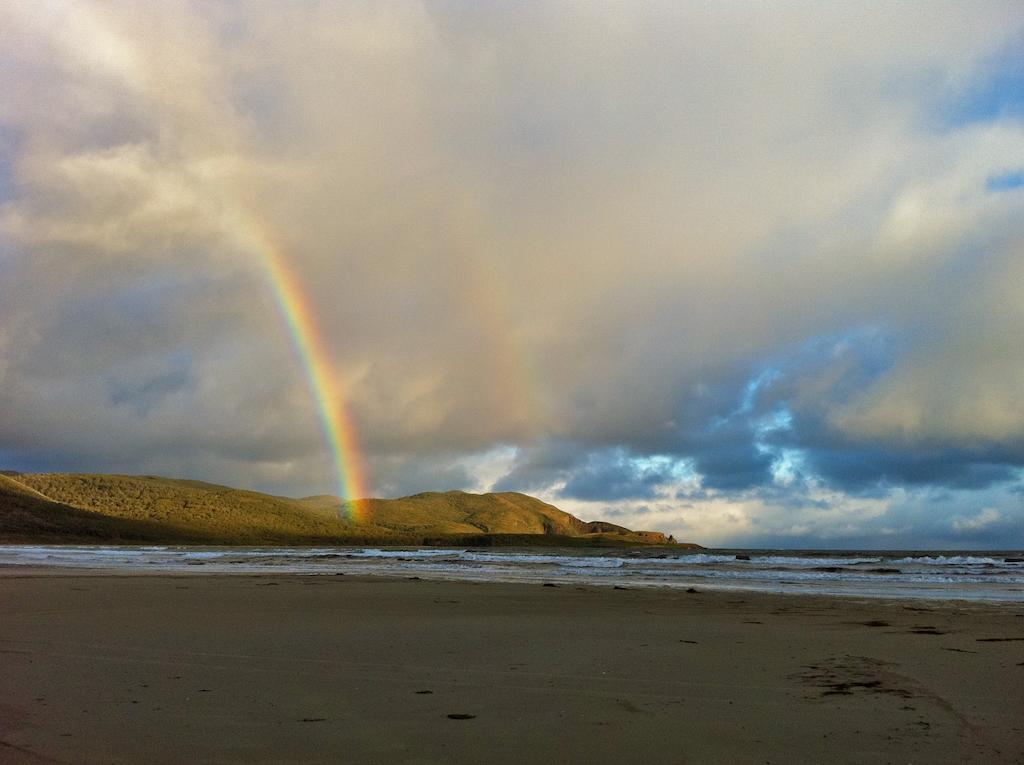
845 688
846 675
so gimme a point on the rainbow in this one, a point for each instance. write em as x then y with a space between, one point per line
336 424
514 378
251 235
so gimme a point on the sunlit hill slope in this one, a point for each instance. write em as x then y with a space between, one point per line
72 507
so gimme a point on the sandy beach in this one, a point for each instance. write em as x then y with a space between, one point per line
355 669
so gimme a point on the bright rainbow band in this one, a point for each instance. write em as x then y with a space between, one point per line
338 429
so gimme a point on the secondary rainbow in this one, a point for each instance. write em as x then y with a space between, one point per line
339 432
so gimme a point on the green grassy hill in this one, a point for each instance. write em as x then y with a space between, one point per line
28 516
456 512
69 507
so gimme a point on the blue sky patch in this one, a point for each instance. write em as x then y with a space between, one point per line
1006 181
999 95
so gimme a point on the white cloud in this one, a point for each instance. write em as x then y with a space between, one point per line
983 520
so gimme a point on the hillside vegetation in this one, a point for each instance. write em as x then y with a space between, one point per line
58 507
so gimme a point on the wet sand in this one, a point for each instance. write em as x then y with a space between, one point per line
345 669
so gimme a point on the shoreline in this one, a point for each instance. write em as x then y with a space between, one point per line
271 667
530 567
22 571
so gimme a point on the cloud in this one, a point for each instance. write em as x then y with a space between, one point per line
720 263
983 520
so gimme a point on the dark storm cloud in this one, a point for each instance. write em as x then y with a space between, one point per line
854 469
733 466
613 475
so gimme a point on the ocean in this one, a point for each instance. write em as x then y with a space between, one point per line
942 575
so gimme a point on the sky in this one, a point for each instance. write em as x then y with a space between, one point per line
750 274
